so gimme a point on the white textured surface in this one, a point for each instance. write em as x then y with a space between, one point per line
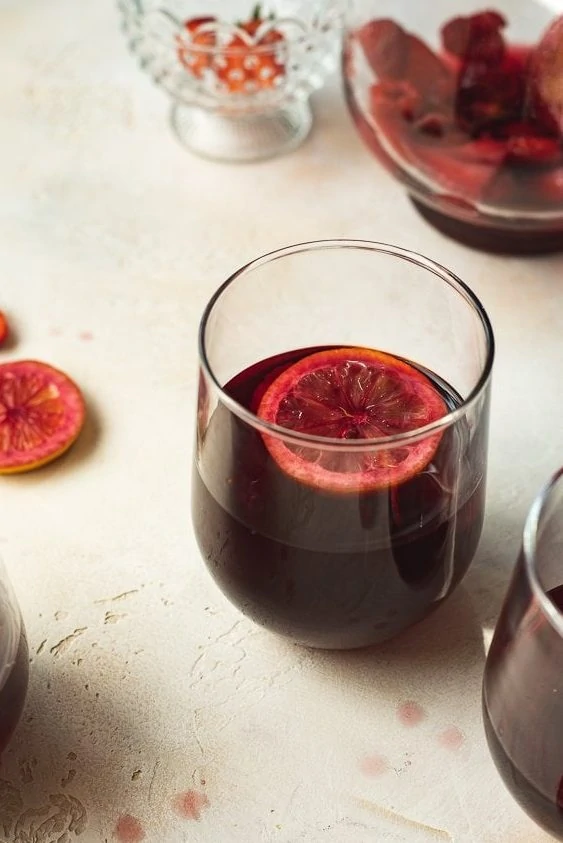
108 226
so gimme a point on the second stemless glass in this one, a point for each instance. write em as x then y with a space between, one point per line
326 568
523 683
14 661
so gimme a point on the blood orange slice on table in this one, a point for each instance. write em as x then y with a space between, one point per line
41 414
4 328
352 394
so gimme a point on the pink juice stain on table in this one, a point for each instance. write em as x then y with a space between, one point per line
410 713
374 765
451 738
190 804
128 829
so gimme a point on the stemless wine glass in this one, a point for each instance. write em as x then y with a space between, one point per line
523 683
288 524
14 660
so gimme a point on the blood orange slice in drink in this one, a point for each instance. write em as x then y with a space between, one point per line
352 394
41 414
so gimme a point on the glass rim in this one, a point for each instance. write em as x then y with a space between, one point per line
530 547
308 36
257 50
329 443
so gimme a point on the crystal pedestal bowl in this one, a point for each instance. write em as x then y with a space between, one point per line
239 77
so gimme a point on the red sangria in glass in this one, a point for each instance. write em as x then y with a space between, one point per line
466 109
339 473
523 682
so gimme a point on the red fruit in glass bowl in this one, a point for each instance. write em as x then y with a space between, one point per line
385 45
477 38
488 96
545 79
255 65
526 148
526 190
396 55
399 97
488 151
196 36
474 131
449 167
451 173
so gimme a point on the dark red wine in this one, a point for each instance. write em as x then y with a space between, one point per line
327 569
13 691
523 707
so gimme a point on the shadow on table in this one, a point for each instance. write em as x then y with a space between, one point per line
75 762
488 578
449 641
443 654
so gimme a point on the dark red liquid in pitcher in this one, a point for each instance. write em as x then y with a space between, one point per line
326 569
523 722
474 128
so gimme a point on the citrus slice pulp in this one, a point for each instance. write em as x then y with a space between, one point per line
4 328
352 394
41 414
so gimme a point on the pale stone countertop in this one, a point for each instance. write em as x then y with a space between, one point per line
150 696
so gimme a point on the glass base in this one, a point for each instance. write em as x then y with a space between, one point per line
241 137
495 239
